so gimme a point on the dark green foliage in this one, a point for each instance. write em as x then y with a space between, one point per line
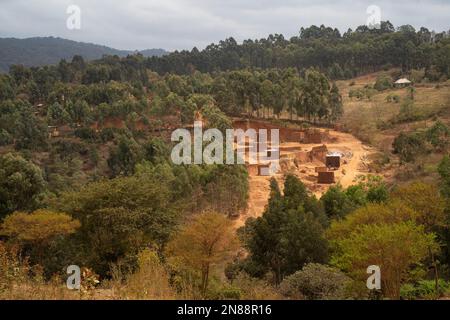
383 82
288 235
408 112
338 202
335 102
121 216
444 172
124 157
87 134
411 145
408 146
56 114
225 189
5 138
6 88
21 184
48 50
438 135
355 52
156 150
30 134
20 123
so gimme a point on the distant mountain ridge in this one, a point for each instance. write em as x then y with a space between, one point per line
40 51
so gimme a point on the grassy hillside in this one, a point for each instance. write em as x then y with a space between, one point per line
377 121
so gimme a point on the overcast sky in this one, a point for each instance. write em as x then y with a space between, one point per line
183 24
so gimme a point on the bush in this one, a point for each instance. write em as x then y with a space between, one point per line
21 184
317 282
408 146
383 82
85 134
438 135
417 76
366 92
393 98
424 289
107 134
248 288
5 138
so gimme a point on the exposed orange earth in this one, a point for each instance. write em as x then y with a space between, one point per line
354 163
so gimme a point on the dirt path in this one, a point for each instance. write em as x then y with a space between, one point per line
354 163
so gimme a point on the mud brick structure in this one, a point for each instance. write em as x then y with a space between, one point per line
333 162
321 169
326 177
291 135
312 136
303 156
285 134
53 131
319 153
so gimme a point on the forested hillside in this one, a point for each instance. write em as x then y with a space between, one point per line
341 56
34 52
86 177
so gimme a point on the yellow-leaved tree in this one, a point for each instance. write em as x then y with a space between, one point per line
37 228
208 240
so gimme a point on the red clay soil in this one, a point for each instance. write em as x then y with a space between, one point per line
302 160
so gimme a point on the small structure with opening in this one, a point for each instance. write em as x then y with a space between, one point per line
333 160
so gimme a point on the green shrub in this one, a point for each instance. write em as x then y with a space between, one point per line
85 134
417 76
408 146
383 82
107 134
438 135
317 282
424 289
5 138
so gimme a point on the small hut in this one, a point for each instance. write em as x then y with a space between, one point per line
401 83
53 131
333 160
325 177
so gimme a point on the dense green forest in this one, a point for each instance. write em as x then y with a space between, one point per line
40 51
86 176
355 52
